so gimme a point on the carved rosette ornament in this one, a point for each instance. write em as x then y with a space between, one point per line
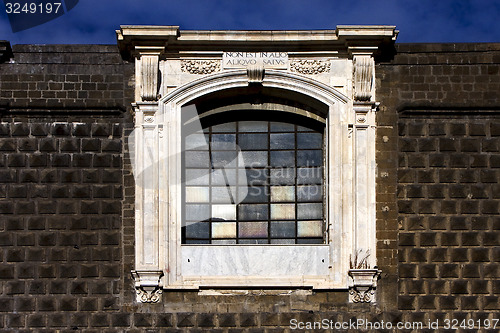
310 66
363 285
200 66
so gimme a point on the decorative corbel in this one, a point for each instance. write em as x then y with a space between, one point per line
149 58
363 77
255 74
363 285
148 286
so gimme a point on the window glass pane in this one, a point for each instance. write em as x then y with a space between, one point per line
282 158
253 126
198 241
309 158
252 177
223 177
309 141
197 194
253 229
257 194
282 176
197 159
223 194
197 212
223 141
224 229
283 241
253 141
283 211
224 159
282 127
283 229
310 241
197 176
226 127
224 241
309 176
310 211
224 212
198 141
255 159
253 241
248 212
197 230
303 129
309 228
282 193
283 141
309 193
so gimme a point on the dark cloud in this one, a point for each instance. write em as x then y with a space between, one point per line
94 21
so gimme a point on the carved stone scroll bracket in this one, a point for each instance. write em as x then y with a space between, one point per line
363 77
148 58
148 286
255 74
363 285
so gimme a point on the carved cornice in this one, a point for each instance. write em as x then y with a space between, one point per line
310 66
200 66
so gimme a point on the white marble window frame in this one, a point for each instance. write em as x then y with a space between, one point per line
350 197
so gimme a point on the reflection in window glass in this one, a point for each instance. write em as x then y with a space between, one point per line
253 182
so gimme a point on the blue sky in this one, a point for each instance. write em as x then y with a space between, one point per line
94 21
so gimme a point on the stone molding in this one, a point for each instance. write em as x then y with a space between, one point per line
310 66
200 66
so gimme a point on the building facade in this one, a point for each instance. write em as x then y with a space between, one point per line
249 181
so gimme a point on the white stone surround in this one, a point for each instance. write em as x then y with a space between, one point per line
335 67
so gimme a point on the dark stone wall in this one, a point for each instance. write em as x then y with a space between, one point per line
63 111
67 199
443 102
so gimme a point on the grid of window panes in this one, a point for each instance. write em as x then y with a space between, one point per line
253 182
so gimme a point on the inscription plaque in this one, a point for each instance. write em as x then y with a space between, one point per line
276 60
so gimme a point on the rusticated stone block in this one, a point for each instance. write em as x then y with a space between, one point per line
427 271
60 129
459 287
143 320
185 319
407 270
459 255
470 271
448 302
19 129
165 320
406 302
247 319
100 320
